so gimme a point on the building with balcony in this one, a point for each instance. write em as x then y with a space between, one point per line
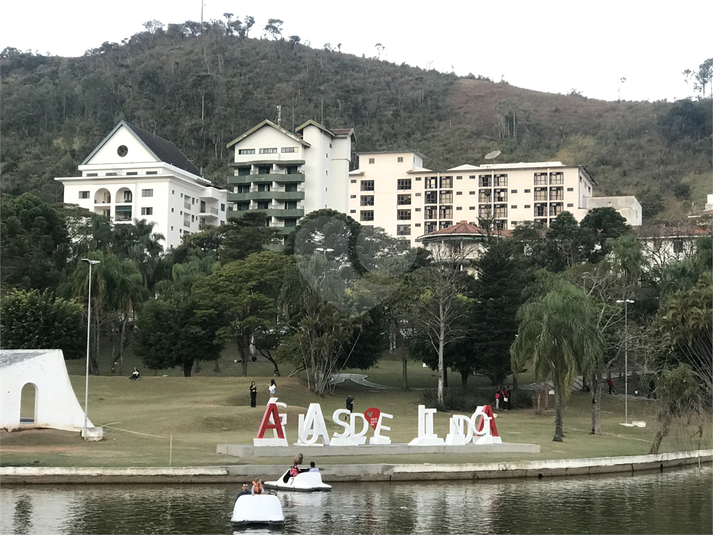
288 175
134 174
394 191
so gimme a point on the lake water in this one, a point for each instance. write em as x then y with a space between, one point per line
676 501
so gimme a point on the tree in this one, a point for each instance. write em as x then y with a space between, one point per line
30 319
437 310
172 330
500 281
599 226
244 295
273 28
558 335
703 76
35 243
565 243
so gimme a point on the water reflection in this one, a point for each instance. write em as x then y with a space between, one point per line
669 502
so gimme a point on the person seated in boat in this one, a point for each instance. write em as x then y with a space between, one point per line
312 467
257 487
244 492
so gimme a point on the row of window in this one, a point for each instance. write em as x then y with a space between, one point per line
446 182
127 173
269 150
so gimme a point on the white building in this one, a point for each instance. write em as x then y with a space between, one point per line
287 175
134 174
392 190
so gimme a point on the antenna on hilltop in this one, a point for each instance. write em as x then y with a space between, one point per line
492 155
202 4
279 115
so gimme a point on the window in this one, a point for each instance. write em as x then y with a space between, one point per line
540 179
417 209
556 194
403 215
557 178
430 227
271 150
112 174
484 181
243 188
352 211
459 193
526 206
263 205
291 169
501 195
446 197
459 208
151 172
446 181
371 160
367 200
417 225
431 197
485 195
570 205
484 211
403 199
678 246
352 196
83 194
243 171
186 220
293 187
264 169
222 207
501 210
445 224
500 180
353 181
513 206
431 212
431 182
540 210
367 185
147 193
471 208
147 211
400 159
403 230
459 178
513 191
403 183
132 173
246 151
445 212
570 189
471 177
367 215
92 174
289 149
418 179
527 191
122 151
418 194
263 187
540 194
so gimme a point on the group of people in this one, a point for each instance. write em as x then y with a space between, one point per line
253 392
502 398
247 490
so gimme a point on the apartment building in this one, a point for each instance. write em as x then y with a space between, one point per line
134 174
392 190
288 175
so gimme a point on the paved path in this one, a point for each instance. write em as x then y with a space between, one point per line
357 378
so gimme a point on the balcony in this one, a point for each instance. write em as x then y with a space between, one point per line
267 196
281 178
282 213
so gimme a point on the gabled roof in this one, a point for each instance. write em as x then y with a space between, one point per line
162 149
336 132
465 167
272 125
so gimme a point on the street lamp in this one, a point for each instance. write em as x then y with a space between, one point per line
626 357
89 324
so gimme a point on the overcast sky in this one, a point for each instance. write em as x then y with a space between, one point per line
547 45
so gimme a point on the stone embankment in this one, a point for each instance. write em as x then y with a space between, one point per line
361 472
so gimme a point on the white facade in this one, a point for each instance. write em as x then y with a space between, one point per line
287 175
134 175
628 206
393 191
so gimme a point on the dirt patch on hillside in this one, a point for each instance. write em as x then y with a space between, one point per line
45 438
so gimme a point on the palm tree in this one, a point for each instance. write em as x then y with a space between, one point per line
558 335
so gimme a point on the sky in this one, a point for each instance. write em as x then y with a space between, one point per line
604 49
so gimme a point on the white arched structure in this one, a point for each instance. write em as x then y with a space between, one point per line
56 404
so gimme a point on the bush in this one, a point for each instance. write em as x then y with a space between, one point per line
457 399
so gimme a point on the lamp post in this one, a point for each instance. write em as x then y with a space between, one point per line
89 324
626 357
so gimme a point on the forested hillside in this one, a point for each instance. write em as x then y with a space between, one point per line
202 88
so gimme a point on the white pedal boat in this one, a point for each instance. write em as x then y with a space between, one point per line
302 482
252 509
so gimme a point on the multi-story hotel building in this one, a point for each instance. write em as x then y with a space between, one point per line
288 175
134 174
392 190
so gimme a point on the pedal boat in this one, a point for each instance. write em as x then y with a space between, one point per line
257 509
302 482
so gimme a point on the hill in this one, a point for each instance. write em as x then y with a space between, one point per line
203 89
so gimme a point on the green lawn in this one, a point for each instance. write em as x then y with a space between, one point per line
142 418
